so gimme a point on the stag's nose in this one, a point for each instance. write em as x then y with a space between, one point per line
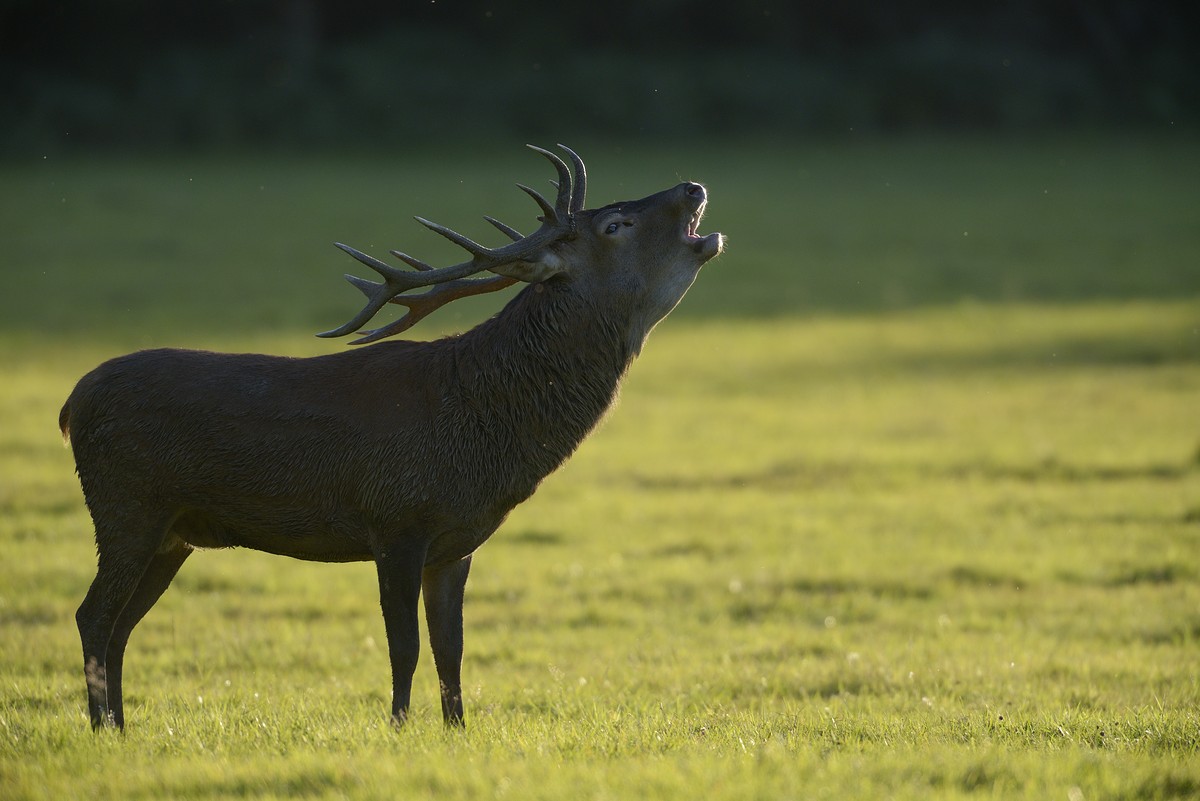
694 190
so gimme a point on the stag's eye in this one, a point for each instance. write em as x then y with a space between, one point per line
612 228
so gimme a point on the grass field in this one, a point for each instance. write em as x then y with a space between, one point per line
903 502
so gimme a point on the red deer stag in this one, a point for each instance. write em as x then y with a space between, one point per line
409 454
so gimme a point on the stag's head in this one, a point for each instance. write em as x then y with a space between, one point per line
644 253
635 257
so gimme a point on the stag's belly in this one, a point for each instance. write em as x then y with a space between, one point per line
298 540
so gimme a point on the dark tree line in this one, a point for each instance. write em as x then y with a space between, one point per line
192 73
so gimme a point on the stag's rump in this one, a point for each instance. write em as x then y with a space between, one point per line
273 453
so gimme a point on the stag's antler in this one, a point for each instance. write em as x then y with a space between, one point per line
511 262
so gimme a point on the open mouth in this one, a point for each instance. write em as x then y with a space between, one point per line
705 246
691 227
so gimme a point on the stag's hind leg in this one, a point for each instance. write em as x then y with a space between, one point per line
154 582
124 555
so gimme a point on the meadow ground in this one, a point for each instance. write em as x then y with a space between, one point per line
903 502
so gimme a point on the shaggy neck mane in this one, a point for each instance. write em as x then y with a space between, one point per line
541 373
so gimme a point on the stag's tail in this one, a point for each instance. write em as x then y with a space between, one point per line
64 422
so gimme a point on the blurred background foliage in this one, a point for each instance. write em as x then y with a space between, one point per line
139 75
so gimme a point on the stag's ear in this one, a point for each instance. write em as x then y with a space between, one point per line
544 265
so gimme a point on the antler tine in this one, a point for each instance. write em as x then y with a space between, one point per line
469 245
410 261
578 194
383 268
562 204
548 211
507 230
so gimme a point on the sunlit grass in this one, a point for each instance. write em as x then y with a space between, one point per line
941 564
946 550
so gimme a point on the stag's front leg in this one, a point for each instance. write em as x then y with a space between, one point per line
399 572
443 586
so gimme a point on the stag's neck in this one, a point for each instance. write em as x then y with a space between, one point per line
541 374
